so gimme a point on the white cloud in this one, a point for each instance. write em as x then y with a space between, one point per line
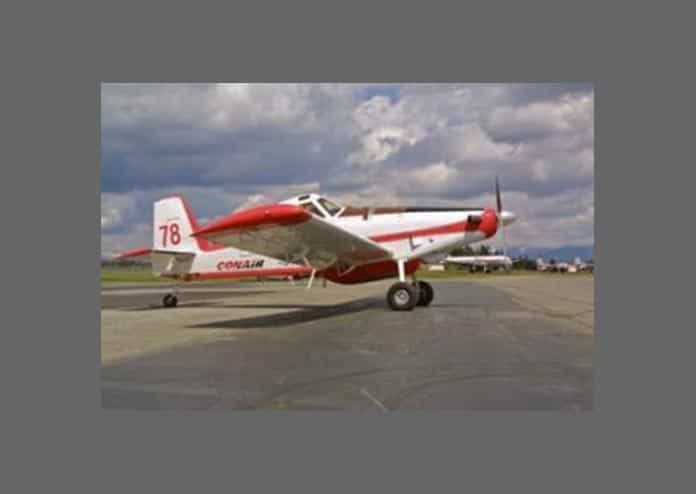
430 179
540 119
384 129
276 194
115 209
470 143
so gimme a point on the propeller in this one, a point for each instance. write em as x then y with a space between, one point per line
499 204
498 200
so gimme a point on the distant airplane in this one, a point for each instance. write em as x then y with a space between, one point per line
553 266
484 263
542 266
581 265
564 267
309 234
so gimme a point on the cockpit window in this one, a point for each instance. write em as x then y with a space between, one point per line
330 207
312 209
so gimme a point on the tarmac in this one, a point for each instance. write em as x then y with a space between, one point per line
500 343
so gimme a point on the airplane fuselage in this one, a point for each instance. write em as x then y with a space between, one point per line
230 263
404 233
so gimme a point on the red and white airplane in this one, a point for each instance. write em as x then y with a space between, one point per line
309 234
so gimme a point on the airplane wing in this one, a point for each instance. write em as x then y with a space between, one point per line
292 234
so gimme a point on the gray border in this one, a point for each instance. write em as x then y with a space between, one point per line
58 434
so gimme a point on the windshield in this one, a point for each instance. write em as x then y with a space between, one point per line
330 207
312 209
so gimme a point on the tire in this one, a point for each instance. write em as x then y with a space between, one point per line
426 293
169 300
402 296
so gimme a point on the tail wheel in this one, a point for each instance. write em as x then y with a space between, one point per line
402 296
169 300
426 293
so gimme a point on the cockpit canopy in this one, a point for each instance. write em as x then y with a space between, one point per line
317 205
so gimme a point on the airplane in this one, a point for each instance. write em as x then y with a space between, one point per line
553 266
312 235
581 265
486 263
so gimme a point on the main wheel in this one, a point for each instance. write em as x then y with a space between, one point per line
402 296
426 293
169 300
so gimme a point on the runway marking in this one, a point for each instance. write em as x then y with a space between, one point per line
374 400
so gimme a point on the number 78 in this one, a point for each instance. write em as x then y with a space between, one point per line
171 231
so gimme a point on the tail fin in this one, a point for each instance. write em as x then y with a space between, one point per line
173 225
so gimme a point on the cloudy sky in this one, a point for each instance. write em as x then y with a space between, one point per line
226 146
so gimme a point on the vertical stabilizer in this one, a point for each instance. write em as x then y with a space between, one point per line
173 225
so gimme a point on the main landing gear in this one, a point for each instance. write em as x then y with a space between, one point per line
170 299
427 294
405 296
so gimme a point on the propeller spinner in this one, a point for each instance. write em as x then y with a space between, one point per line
504 217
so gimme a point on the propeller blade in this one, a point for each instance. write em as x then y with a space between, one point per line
498 200
499 203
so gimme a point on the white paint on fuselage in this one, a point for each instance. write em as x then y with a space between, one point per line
418 245
383 224
227 259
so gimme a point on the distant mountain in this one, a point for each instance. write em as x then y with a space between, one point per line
565 254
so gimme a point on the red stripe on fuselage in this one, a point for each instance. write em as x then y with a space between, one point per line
488 226
369 272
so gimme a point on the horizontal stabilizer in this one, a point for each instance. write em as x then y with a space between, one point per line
163 261
146 254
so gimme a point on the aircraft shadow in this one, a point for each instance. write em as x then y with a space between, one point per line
159 306
306 313
191 299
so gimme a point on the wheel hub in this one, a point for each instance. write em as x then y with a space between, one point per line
401 296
